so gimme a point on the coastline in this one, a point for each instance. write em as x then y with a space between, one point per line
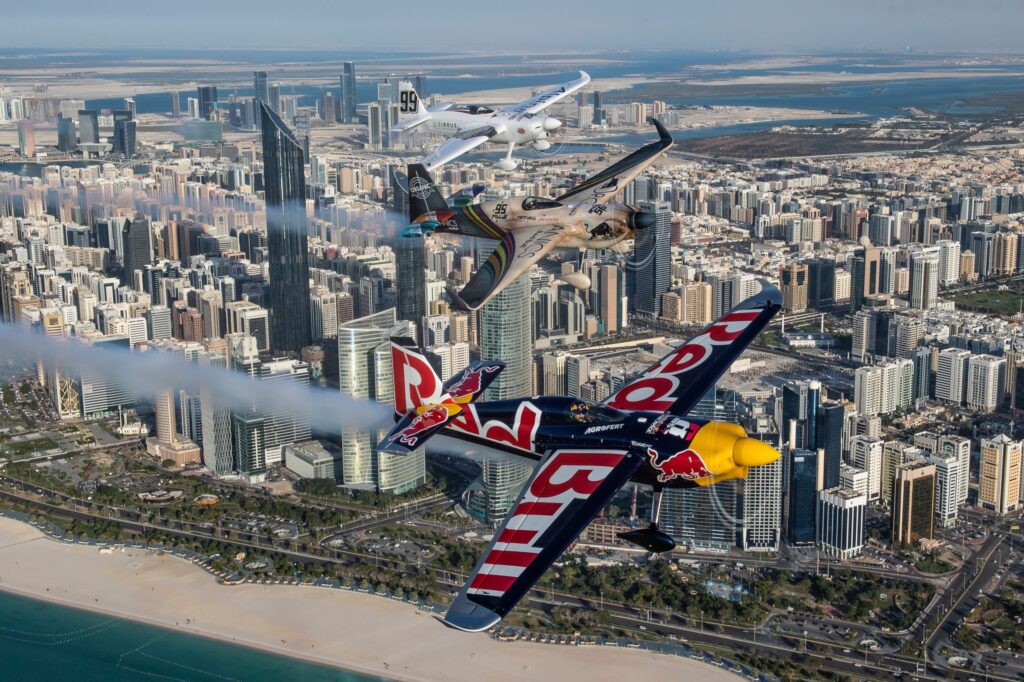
337 628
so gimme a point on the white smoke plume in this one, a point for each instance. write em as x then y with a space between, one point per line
151 372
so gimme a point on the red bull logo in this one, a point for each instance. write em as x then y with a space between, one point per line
422 423
471 383
685 464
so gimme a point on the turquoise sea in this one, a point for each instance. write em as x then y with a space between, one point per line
43 641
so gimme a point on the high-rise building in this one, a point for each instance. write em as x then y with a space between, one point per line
500 485
207 97
285 181
831 438
821 282
986 376
137 238
999 478
841 522
951 377
365 371
348 92
653 260
805 480
374 127
703 518
249 441
866 274
924 279
124 140
26 139
505 335
261 91
598 119
913 504
762 508
794 287
947 484
175 103
959 447
949 262
165 419
866 453
411 273
66 141
88 126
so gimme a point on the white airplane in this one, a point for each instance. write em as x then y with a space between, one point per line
471 125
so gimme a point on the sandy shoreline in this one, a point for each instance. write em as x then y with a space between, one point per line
350 630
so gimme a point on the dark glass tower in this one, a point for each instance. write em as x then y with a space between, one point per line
207 100
348 92
803 496
411 257
653 256
284 180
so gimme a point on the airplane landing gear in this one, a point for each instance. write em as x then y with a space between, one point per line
650 538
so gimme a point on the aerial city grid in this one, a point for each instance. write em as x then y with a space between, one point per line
689 356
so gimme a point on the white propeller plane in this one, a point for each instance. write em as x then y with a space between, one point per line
471 125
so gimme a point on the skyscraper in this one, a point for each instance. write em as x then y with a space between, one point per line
794 287
207 95
124 136
374 127
821 282
66 134
841 522
999 474
866 454
137 237
260 89
598 109
285 182
505 335
913 504
924 279
653 260
348 92
26 139
88 126
175 103
802 496
411 273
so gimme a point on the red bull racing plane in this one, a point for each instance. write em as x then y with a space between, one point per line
585 452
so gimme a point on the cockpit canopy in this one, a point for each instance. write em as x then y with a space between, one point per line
538 203
473 109
580 412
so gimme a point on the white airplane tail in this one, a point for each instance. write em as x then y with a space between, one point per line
411 111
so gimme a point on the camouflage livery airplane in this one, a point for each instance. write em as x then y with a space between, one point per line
586 452
529 228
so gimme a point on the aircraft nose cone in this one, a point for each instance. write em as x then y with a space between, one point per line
643 219
750 452
551 124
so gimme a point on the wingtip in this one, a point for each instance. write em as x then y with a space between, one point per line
662 131
458 302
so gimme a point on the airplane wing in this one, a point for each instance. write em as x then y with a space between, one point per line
675 383
462 142
542 100
517 251
605 185
565 493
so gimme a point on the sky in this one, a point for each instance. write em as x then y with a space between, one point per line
518 25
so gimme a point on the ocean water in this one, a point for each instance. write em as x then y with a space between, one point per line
43 641
875 99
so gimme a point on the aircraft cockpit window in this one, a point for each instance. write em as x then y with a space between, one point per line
538 203
473 109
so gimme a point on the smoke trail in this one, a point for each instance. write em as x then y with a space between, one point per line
148 373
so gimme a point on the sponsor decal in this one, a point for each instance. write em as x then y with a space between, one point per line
420 187
566 476
434 416
415 381
602 427
471 382
685 464
655 390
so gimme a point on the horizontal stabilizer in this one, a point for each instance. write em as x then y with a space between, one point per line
410 123
413 430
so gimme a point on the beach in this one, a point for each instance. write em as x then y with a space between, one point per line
345 629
